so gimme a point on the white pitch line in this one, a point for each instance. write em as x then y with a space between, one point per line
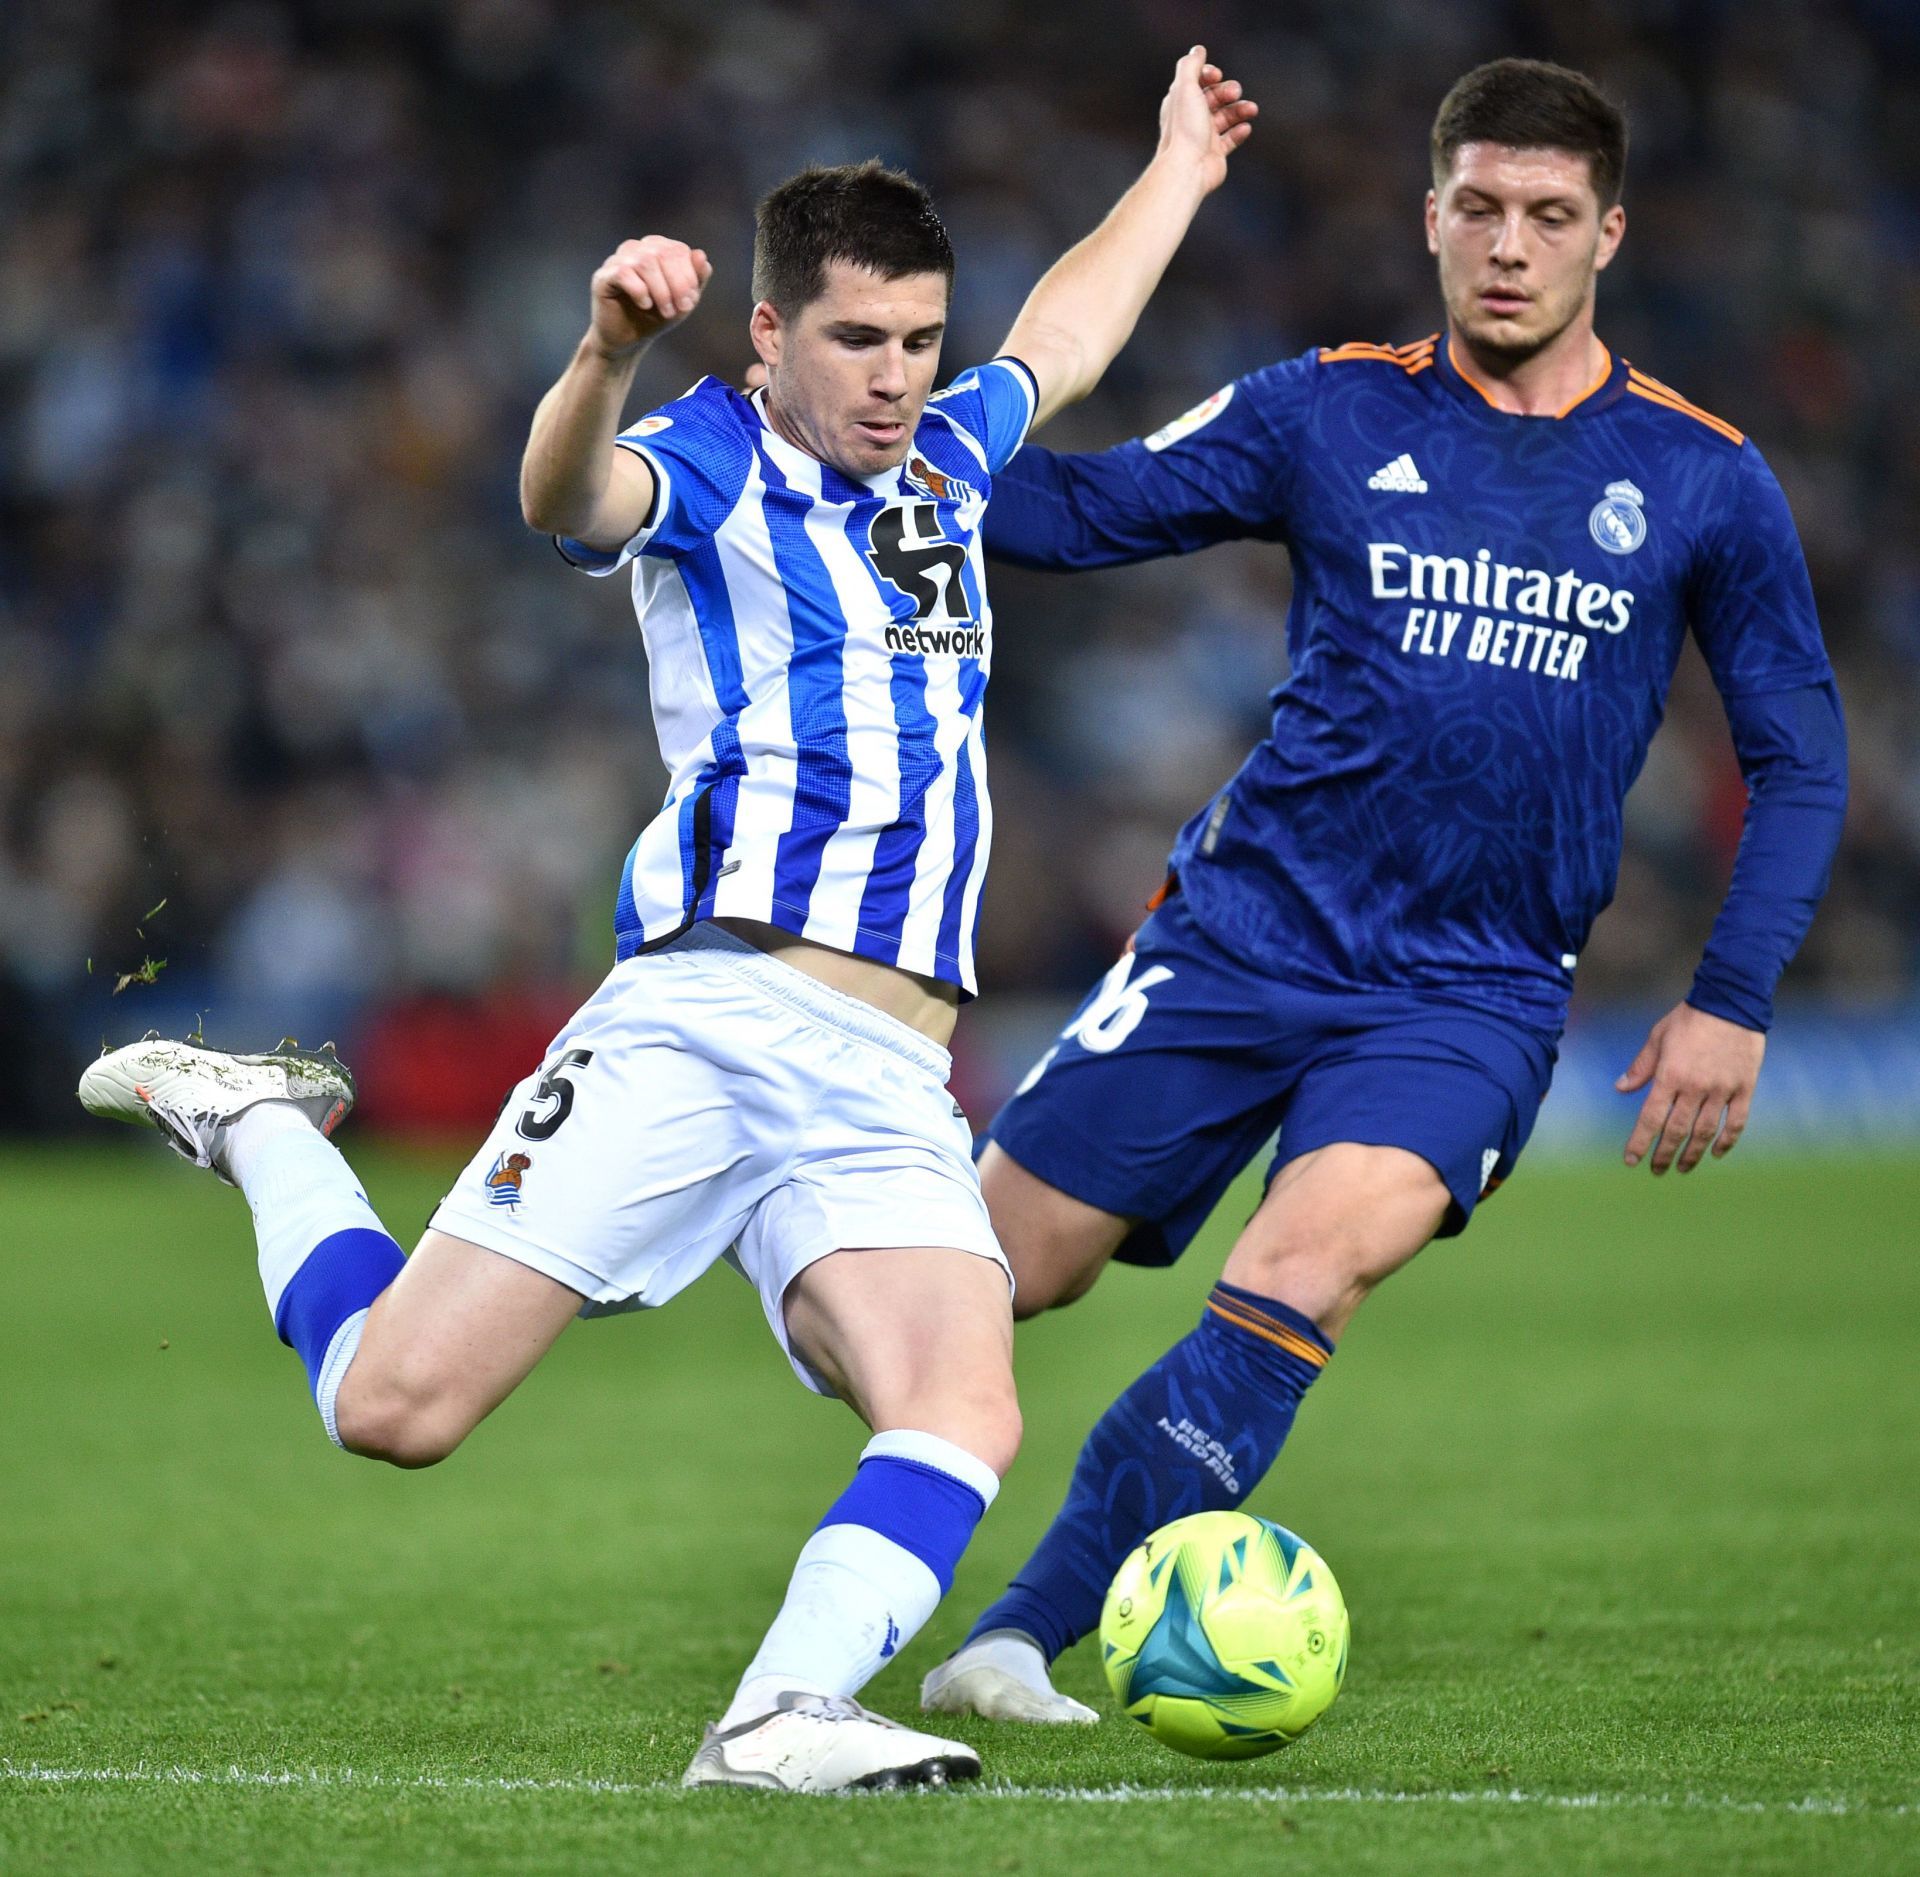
316 1778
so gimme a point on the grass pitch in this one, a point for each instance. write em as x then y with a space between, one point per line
1620 1487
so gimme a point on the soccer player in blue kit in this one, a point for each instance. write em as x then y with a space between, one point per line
1500 536
762 1075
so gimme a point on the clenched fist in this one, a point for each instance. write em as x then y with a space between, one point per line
641 289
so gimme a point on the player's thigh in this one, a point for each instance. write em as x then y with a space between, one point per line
454 1334
1057 1245
1337 1219
914 1337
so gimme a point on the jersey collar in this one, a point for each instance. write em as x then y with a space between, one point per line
1459 380
794 460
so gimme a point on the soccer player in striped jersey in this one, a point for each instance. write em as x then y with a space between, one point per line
1501 536
762 1075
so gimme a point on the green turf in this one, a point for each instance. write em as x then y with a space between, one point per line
1620 1488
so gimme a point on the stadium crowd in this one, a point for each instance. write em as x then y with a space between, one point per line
281 282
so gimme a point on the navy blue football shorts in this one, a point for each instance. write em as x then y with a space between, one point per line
1182 1062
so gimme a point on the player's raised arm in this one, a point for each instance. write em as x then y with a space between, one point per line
573 481
1082 312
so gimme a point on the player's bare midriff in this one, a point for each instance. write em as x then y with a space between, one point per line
923 1004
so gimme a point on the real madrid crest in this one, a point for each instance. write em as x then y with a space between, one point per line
1619 519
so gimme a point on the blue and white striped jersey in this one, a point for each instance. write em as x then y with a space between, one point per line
818 650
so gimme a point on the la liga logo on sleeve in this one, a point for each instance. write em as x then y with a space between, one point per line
1201 415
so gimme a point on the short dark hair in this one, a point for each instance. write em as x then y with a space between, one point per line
865 213
1527 104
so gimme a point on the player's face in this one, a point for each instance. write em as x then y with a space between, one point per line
848 375
1520 236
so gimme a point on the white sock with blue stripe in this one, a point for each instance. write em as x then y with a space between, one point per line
324 1255
874 1571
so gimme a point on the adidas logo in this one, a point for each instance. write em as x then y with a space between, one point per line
1400 477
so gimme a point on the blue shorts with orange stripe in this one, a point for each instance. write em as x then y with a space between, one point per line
1182 1062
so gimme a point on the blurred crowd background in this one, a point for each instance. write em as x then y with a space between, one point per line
281 282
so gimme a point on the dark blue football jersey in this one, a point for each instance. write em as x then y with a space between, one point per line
1487 612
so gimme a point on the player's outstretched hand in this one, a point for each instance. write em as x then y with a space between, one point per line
642 288
1204 117
1699 1072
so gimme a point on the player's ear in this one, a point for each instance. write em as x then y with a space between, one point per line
766 330
1433 222
1613 228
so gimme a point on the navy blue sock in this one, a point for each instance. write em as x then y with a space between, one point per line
1196 1433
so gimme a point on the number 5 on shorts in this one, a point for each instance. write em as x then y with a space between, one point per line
554 1087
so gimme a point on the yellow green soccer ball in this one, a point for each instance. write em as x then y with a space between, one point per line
1224 1636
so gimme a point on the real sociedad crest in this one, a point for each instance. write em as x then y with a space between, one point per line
503 1182
1619 522
922 478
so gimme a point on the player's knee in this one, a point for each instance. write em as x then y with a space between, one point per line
1057 1246
1052 1269
1004 1431
406 1441
1043 1286
406 1428
1326 1272
1036 1285
1352 1256
989 1429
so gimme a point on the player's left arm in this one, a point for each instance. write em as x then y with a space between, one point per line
1084 308
1754 617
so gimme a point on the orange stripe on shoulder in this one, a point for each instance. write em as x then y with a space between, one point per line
1636 376
1687 410
1656 393
1410 358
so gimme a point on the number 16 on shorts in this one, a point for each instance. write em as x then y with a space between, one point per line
1109 1016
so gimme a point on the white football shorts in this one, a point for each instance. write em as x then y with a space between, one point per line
708 1101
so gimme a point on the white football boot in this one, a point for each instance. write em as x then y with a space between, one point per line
1001 1677
817 1743
193 1095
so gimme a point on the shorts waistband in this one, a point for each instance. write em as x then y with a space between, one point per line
852 1016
